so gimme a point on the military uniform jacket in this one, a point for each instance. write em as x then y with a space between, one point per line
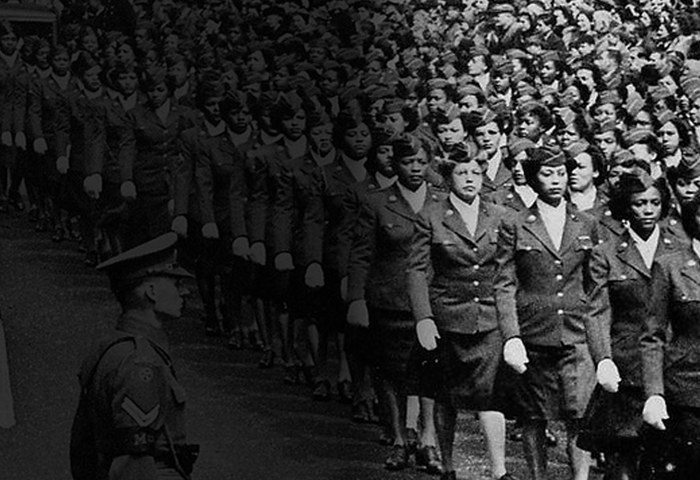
670 341
507 198
502 181
106 138
265 165
540 291
332 250
83 118
296 187
134 394
221 183
459 293
14 93
49 113
151 148
619 301
381 249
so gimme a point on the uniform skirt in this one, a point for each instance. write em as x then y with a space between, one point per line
557 384
469 366
613 420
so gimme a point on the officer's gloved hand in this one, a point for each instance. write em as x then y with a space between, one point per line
314 277
257 254
20 141
241 248
92 184
128 190
344 288
357 315
40 146
655 412
427 333
607 375
515 355
62 164
179 225
283 262
210 231
6 139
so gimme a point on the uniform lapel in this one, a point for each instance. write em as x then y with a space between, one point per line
453 220
690 268
629 254
399 205
535 225
483 223
571 228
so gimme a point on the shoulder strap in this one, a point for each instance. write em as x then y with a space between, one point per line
93 369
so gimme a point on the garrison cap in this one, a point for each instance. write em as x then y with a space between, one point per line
518 145
689 167
635 182
407 145
548 156
155 258
502 8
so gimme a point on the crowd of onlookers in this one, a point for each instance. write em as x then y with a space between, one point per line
472 205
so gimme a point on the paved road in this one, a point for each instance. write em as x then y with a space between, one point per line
250 425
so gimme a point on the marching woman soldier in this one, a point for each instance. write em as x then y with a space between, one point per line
377 289
670 350
450 285
40 69
266 165
518 196
49 125
106 157
297 185
540 294
14 85
621 278
151 155
83 187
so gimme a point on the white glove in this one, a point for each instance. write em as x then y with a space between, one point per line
358 315
257 254
241 248
515 355
40 146
607 375
62 164
6 139
20 141
314 277
210 231
655 412
128 190
283 262
92 184
427 333
344 289
179 225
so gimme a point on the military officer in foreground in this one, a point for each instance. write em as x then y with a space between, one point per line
130 419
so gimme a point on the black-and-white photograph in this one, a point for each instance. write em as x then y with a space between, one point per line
349 239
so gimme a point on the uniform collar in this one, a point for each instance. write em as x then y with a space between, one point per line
144 324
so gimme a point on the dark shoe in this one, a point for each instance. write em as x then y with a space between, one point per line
306 377
397 459
58 235
411 440
291 375
345 391
33 213
428 458
451 475
508 476
363 412
41 224
322 391
267 360
234 342
211 327
17 203
550 438
91 259
386 438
